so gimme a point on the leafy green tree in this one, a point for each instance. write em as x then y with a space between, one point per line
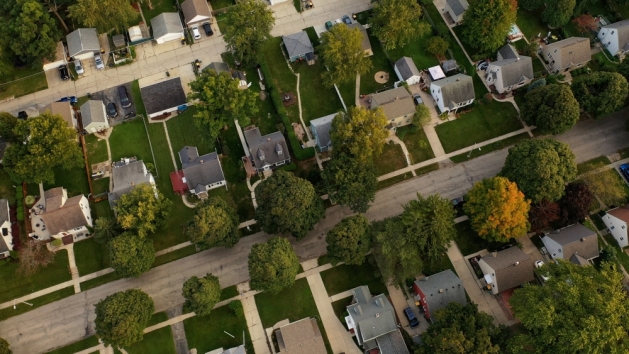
122 317
558 12
578 310
215 224
462 329
131 255
497 209
6 66
143 210
600 93
623 69
487 23
437 45
104 15
398 257
4 347
287 204
360 133
342 53
552 109
530 5
273 266
397 22
421 118
48 144
248 25
202 293
105 229
350 182
220 102
541 168
7 126
349 241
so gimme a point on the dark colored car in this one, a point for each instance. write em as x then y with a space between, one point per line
208 29
347 20
418 100
411 317
624 169
112 111
124 97
71 99
328 25
22 115
63 72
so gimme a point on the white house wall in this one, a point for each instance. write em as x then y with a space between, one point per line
605 35
435 91
618 229
172 109
96 126
169 37
555 250
8 239
488 270
84 56
85 208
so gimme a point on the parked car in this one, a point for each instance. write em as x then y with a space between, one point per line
624 169
78 67
125 101
71 99
328 25
347 20
98 60
418 100
112 110
63 72
411 317
208 29
539 264
22 115
483 65
195 32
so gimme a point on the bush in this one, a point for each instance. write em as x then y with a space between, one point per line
57 242
30 200
18 193
289 168
236 306
489 97
20 203
20 209
20 216
535 84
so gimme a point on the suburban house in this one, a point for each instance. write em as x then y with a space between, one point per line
198 174
372 319
407 71
163 97
236 350
616 221
506 269
126 175
63 218
575 243
397 105
218 66
452 93
268 151
167 27
64 109
615 37
320 128
299 47
94 116
302 337
568 54
510 71
195 12
365 44
438 290
83 43
6 241
456 9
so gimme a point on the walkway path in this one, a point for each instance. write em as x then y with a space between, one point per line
111 177
170 147
73 269
301 117
256 330
394 138
179 333
435 120
357 93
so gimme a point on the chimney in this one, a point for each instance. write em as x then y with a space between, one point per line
440 291
426 279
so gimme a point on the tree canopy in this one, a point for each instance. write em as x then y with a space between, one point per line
608 186
106 229
4 347
342 53
131 255
575 204
360 133
350 182
202 293
397 22
287 204
558 12
350 240
552 109
215 224
436 45
122 317
530 5
600 93
104 15
421 117
248 25
141 210
272 265
540 168
49 144
486 23
543 214
7 125
497 209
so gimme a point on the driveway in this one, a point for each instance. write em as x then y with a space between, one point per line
111 95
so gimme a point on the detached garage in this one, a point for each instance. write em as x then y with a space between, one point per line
167 27
163 97
83 43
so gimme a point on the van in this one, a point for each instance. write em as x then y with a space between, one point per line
411 317
125 102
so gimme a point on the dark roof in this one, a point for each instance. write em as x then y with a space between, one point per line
576 239
126 177
322 126
507 52
509 274
218 66
449 65
119 40
297 44
302 337
458 6
392 343
265 150
441 289
514 71
621 213
200 170
4 211
578 260
406 67
373 316
163 95
455 89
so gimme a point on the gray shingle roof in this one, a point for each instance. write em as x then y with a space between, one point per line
623 32
578 260
458 6
373 316
455 89
218 66
93 111
507 52
449 65
364 44
297 44
195 10
576 239
441 289
406 67
119 40
200 170
64 217
81 41
163 95
392 343
4 211
570 51
395 103
508 274
267 146
127 177
514 71
165 23
322 126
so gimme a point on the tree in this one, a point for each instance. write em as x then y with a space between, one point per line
48 144
7 125
342 53
558 12
497 209
105 229
462 329
105 15
54 6
578 310
487 23
220 102
600 93
142 210
131 255
551 108
202 293
360 133
272 265
4 347
248 25
287 204
349 241
623 69
540 168
437 46
122 317
350 182
397 22
608 186
542 214
421 117
530 5
585 23
32 257
6 65
575 204
215 224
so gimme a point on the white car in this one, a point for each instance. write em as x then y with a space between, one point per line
99 62
196 33
78 67
539 264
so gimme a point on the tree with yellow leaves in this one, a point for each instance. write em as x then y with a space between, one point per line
497 209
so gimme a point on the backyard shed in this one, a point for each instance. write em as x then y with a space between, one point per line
298 46
167 27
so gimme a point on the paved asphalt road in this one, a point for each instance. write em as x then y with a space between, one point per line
71 319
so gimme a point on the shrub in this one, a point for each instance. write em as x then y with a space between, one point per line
30 200
535 84
20 209
236 306
20 203
57 242
20 216
489 97
18 193
289 168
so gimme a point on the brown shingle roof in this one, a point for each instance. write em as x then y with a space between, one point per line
509 274
621 213
395 103
65 218
570 51
61 108
195 10
301 337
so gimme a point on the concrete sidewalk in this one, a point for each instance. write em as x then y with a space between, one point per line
256 330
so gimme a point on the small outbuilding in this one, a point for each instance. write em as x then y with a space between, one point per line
83 43
167 27
195 12
299 47
321 131
94 116
365 43
407 71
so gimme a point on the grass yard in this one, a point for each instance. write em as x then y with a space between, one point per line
346 277
317 100
274 307
530 22
159 6
415 50
77 346
283 78
37 302
101 210
74 180
598 222
498 145
7 191
394 180
91 256
427 169
182 131
22 81
235 174
600 62
348 92
484 122
156 342
591 165
220 4
379 62
96 282
417 145
208 333
340 308
391 159
229 292
100 185
430 268
469 242
174 255
129 139
96 149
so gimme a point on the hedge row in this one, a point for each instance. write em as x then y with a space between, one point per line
298 152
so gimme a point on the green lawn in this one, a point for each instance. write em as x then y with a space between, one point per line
283 79
159 6
391 159
7 191
77 346
275 307
219 4
96 282
484 122
100 185
415 50
530 22
379 62
340 308
229 292
393 180
74 180
469 242
348 92
317 100
182 131
346 277
592 164
29 80
208 333
498 145
426 169
443 263
37 302
129 139
417 145
156 342
96 149
101 210
174 255
91 256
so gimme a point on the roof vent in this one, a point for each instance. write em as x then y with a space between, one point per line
268 139
201 161
516 263
582 239
440 291
427 278
261 154
377 315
